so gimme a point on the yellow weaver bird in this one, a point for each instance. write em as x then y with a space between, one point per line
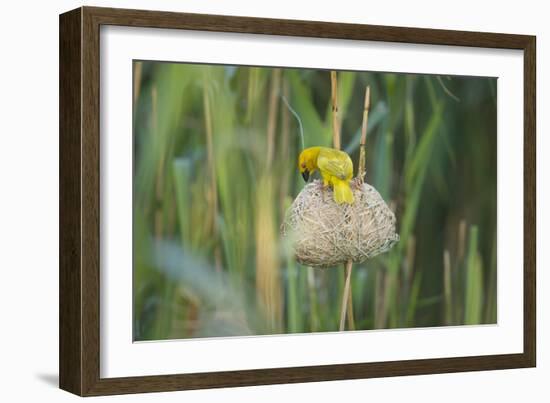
336 169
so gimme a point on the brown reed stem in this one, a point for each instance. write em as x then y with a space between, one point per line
272 115
335 123
351 319
213 192
346 295
361 175
138 69
284 146
362 145
347 305
268 284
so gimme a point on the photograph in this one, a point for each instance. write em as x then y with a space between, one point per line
289 200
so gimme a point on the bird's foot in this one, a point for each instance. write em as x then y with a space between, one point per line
323 186
357 183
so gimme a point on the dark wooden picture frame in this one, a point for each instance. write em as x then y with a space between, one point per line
79 349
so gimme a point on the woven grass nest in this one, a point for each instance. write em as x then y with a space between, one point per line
325 234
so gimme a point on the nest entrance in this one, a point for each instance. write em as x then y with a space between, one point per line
325 234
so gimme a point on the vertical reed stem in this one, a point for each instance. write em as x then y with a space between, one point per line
335 123
210 150
272 115
347 305
362 146
346 296
285 140
351 319
268 283
213 193
138 68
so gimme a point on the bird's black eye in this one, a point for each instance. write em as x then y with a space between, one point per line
303 165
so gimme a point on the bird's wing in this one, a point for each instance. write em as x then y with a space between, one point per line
335 163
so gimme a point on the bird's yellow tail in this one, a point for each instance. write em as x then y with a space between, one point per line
342 191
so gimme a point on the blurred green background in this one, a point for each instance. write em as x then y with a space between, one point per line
215 167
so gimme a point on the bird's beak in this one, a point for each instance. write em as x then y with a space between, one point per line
305 175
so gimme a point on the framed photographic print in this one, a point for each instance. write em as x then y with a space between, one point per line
249 201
